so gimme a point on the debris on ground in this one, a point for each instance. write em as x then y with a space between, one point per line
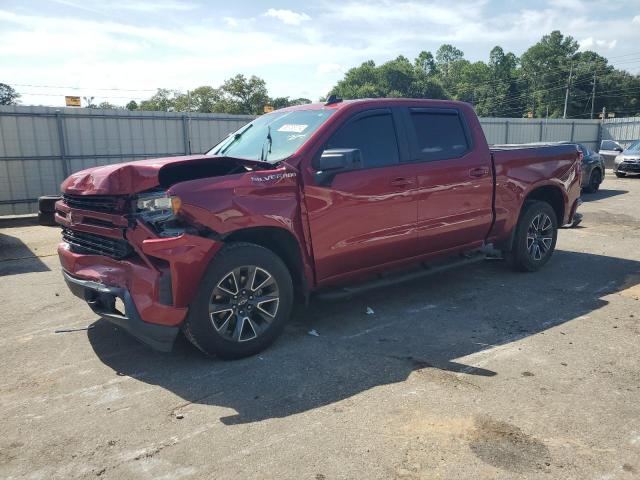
313 333
370 311
67 330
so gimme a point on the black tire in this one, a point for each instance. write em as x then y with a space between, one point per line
595 179
212 331
620 174
47 219
524 256
47 203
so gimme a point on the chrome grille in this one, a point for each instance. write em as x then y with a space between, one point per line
96 203
90 243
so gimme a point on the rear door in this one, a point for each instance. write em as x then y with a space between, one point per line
609 150
367 217
455 180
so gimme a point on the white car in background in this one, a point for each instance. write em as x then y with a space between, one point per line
628 161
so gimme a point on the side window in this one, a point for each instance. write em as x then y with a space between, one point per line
374 135
440 135
608 145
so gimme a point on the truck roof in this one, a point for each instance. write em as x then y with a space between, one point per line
376 102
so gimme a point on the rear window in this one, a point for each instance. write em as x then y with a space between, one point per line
440 135
608 145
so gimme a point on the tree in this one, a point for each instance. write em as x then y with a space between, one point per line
545 67
132 105
89 102
163 100
107 105
242 95
396 78
8 96
447 55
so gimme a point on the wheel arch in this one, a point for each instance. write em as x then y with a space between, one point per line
549 193
281 242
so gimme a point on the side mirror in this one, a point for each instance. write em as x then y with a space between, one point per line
619 149
336 160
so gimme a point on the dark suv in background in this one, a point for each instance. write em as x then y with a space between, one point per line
592 169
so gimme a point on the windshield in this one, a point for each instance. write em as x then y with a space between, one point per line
272 137
634 147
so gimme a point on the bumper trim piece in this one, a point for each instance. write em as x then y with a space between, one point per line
101 299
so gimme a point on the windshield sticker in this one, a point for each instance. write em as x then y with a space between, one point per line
293 127
296 136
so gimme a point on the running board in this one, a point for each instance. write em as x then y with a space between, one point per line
385 281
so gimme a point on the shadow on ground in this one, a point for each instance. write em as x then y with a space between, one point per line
425 325
601 195
16 257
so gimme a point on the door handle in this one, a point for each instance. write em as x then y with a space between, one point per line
401 182
479 172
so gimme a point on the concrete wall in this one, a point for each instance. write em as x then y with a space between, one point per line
41 146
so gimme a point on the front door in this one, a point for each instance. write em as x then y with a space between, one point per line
367 217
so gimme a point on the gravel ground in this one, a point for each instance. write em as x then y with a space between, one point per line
475 373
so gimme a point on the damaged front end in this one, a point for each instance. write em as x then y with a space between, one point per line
132 256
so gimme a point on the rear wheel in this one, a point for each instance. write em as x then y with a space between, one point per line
595 179
243 302
620 174
535 238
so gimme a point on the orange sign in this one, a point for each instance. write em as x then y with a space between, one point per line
72 101
268 109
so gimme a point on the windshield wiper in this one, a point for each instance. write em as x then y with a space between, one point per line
236 137
263 157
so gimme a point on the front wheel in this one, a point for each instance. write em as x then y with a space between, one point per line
595 179
242 304
535 238
620 174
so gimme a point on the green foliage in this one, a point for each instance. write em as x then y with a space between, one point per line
396 78
132 105
505 86
8 96
108 106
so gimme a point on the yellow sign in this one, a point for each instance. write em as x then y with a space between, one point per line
72 101
268 109
530 114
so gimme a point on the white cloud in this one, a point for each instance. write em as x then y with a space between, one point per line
288 17
636 20
329 68
591 43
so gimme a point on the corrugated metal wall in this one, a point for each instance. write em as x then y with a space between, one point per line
622 130
41 146
525 130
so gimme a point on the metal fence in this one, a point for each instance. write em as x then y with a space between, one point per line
525 130
622 130
41 146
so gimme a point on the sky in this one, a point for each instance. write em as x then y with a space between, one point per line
120 50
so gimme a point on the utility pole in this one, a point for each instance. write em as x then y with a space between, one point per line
566 95
593 94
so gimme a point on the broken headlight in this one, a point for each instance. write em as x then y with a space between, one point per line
160 210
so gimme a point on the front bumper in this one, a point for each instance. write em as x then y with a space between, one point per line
627 167
156 284
102 300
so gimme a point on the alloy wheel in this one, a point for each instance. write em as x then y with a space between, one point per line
244 303
539 236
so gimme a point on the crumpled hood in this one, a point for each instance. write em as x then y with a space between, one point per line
141 175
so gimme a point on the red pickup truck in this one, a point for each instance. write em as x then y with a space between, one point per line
305 199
